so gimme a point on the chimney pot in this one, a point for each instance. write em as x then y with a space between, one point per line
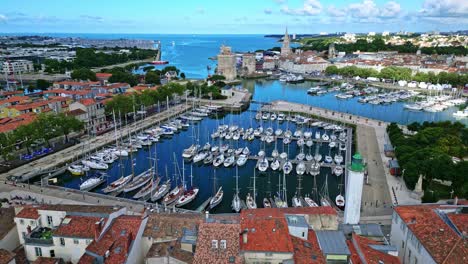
244 238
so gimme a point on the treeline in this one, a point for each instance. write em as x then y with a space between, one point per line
125 104
378 44
208 92
44 128
88 58
400 73
429 153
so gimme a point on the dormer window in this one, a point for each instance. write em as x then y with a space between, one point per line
214 244
223 244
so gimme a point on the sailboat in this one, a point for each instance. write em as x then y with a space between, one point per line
340 201
296 201
190 194
93 182
236 201
324 197
310 202
250 200
287 167
178 190
162 189
300 168
218 197
139 181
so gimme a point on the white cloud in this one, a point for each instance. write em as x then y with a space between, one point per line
390 9
336 12
445 8
3 18
92 18
268 11
309 8
363 10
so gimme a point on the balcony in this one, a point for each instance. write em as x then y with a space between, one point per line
40 236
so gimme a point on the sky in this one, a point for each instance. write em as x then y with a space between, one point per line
231 16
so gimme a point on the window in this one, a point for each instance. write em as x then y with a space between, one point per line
415 260
38 251
223 244
49 220
76 241
52 253
214 244
31 222
62 241
269 254
409 254
88 241
22 221
24 234
402 244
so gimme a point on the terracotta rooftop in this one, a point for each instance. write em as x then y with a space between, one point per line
171 249
437 237
460 221
103 75
369 255
267 231
76 112
117 239
32 105
6 221
161 226
80 208
10 124
77 226
28 212
208 232
307 251
43 260
14 99
6 256
88 101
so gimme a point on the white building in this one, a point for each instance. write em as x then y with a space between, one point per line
430 233
354 186
17 66
385 33
371 34
72 231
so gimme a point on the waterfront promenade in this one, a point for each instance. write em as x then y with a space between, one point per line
74 152
381 190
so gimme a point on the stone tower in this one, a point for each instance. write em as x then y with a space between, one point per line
354 184
331 51
248 64
286 49
227 63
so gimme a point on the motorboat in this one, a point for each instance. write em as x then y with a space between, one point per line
187 197
279 202
297 133
250 201
223 148
280 117
300 156
325 137
309 142
317 135
332 144
161 191
273 117
342 147
208 159
217 198
274 153
92 183
265 116
266 203
246 151
300 142
286 140
238 151
261 153
309 157
77 170
315 169
283 155
318 157
300 168
328 159
287 167
95 165
278 132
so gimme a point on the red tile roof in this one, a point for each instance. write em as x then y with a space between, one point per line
216 231
460 221
267 230
438 238
9 124
76 112
88 101
43 260
369 255
25 106
103 75
308 251
6 256
28 212
78 226
116 238
15 99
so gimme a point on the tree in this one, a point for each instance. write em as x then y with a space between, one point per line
331 70
42 84
124 77
182 75
217 77
83 74
152 77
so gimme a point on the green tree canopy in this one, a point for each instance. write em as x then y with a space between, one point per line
83 74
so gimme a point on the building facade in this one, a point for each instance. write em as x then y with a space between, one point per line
17 66
227 63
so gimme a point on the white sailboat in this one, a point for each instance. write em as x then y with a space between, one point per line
236 201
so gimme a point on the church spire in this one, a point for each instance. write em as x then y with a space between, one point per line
285 49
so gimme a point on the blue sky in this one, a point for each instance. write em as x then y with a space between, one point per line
228 16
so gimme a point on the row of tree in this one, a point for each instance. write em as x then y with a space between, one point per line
378 44
88 58
44 128
125 104
429 153
400 73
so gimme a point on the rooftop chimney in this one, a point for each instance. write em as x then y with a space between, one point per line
455 200
244 236
97 229
207 215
